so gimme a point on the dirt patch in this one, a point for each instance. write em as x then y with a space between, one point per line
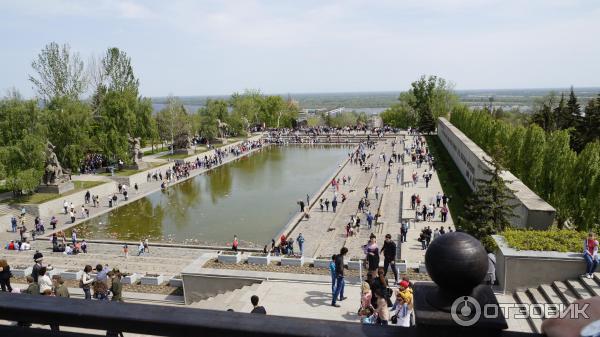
276 267
134 288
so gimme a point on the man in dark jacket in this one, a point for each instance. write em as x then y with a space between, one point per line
389 256
339 272
116 287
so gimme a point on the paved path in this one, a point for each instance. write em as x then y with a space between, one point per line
145 189
325 232
165 260
411 249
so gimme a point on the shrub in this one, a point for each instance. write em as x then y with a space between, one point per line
551 240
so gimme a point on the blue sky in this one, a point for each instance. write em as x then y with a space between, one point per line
217 47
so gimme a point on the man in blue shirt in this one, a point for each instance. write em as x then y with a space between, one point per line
332 272
300 240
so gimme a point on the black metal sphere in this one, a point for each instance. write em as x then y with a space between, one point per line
456 262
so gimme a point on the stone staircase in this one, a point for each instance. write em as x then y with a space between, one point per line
237 300
6 211
161 260
558 293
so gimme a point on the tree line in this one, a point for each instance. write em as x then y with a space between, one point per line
428 99
113 111
544 161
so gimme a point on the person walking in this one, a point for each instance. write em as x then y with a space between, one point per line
327 204
13 223
321 204
141 248
403 231
44 282
333 274
389 256
376 192
369 220
235 243
146 246
300 240
339 274
126 250
86 282
5 275
116 287
372 254
334 204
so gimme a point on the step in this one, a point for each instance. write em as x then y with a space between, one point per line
261 292
243 297
550 294
565 293
538 298
535 321
579 289
591 285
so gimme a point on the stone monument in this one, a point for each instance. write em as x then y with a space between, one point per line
223 127
55 179
135 154
183 143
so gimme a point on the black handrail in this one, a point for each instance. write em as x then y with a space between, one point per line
174 321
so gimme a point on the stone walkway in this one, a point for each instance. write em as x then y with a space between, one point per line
145 189
411 249
163 260
325 232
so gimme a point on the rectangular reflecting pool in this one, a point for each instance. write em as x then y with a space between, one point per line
253 198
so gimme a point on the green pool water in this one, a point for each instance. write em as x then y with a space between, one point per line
253 198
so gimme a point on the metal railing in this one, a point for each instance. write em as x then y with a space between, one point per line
175 321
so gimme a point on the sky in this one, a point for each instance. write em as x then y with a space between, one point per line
187 47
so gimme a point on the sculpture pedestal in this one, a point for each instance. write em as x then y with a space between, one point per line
185 151
431 320
141 165
59 188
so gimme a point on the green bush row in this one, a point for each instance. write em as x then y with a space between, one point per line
563 240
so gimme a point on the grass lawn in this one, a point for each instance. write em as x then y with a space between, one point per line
155 151
38 198
199 149
453 183
129 172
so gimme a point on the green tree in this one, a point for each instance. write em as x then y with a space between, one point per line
545 112
118 71
532 157
173 120
590 123
214 111
556 179
490 207
59 73
586 188
561 114
22 144
433 98
69 123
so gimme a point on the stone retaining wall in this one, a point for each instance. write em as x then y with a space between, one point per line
516 270
531 211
